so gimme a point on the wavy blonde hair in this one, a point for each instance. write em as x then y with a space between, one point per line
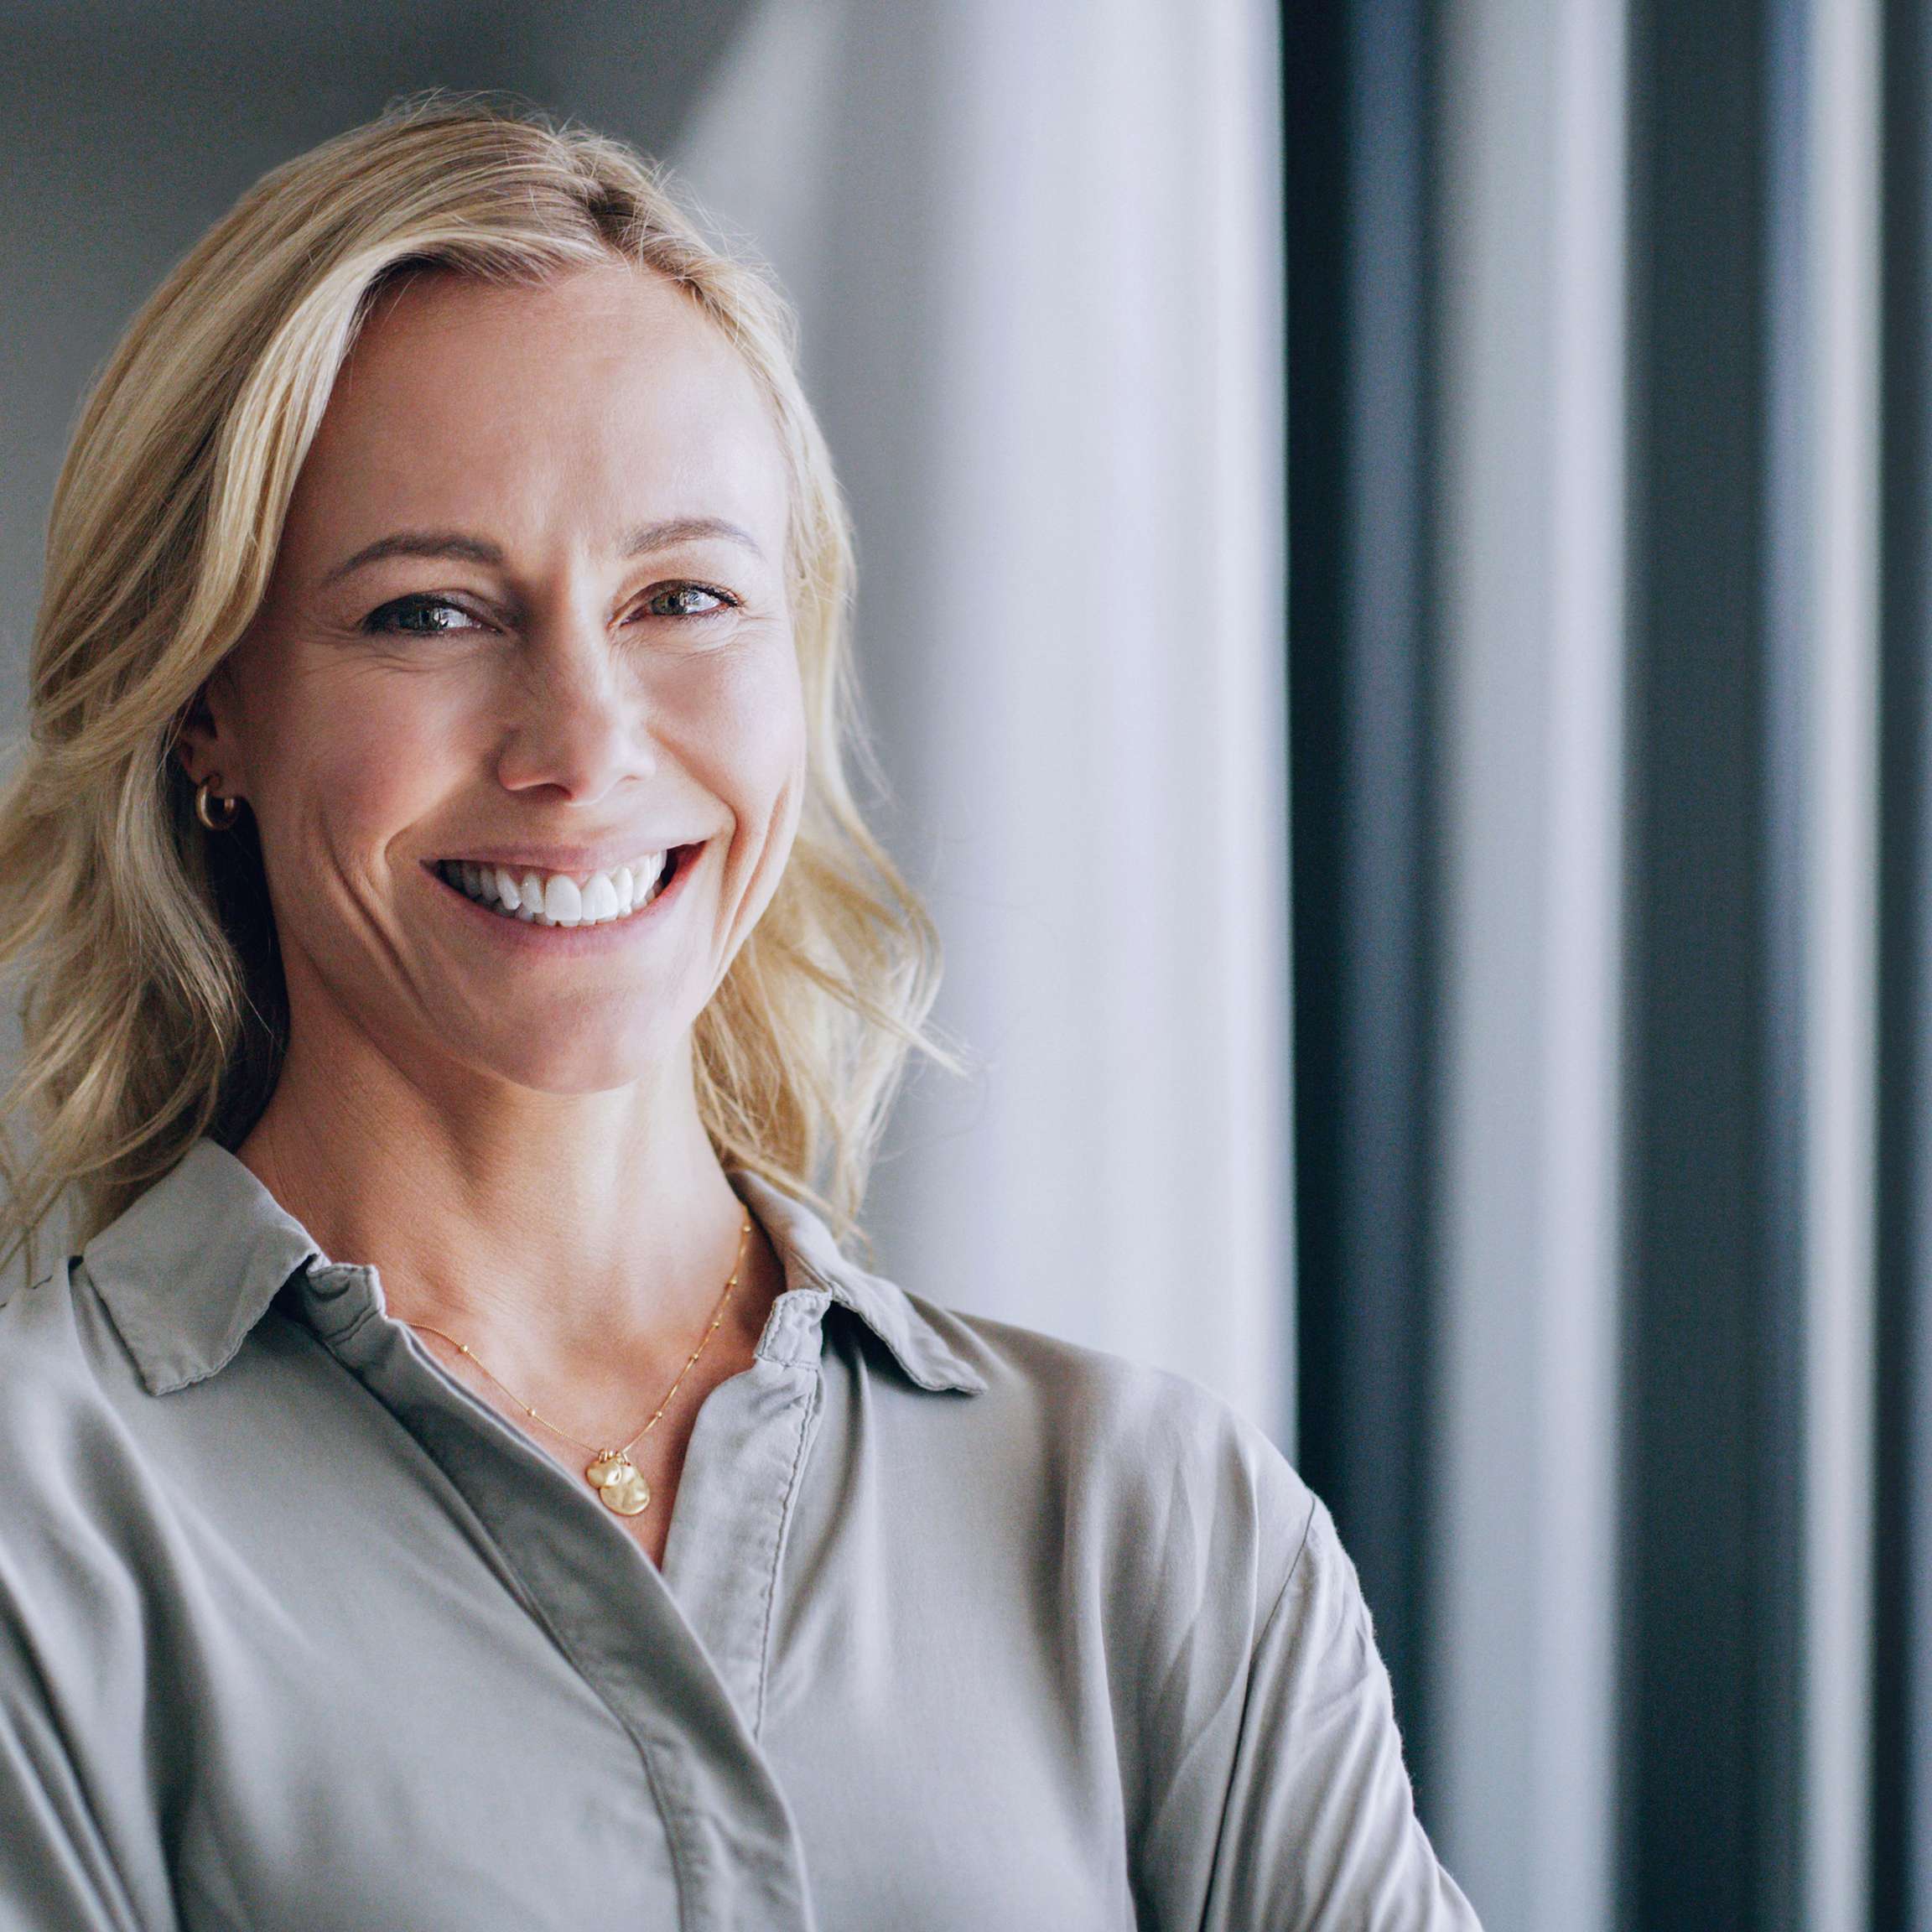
152 1007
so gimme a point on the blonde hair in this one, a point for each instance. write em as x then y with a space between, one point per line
153 1009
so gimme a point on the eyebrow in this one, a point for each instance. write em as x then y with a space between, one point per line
454 544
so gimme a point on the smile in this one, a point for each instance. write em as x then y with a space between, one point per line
542 898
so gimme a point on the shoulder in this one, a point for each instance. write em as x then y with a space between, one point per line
70 1465
61 1362
70 1396
1101 1402
1164 1475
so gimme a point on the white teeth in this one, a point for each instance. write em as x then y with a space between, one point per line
600 899
556 898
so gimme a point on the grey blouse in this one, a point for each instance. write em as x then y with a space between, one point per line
959 1628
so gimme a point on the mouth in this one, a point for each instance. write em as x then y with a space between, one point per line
563 899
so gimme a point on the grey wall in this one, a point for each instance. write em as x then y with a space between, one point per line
126 128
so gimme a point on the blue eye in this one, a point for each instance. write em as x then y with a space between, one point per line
421 617
688 600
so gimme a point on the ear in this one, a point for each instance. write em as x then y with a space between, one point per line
206 742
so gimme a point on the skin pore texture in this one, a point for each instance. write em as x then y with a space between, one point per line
528 611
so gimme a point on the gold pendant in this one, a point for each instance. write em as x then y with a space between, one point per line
615 1477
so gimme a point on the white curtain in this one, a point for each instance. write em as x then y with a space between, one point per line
1532 625
1037 247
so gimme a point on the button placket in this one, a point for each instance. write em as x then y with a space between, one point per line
734 1842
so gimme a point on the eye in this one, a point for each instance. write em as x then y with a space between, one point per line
688 600
421 615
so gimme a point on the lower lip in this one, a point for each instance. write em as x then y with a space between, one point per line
569 940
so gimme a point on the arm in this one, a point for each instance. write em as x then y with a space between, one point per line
58 1871
1319 1827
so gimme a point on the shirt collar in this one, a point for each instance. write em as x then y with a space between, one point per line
192 1263
812 1259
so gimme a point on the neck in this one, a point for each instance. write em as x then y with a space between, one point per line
561 1236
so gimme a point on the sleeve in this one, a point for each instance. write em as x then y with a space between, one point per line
58 1869
1318 1828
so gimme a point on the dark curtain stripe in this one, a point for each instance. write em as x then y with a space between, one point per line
1359 113
1710 1684
1314 189
1901 1701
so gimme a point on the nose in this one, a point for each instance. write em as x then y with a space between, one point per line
577 727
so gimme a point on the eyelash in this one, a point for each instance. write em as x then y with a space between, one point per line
381 619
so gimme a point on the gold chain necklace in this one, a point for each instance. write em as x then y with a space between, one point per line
613 1475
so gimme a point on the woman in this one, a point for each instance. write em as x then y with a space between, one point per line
459 1481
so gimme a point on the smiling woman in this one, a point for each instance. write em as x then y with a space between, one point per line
304 319
460 1479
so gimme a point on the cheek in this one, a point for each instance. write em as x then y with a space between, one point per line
348 763
752 737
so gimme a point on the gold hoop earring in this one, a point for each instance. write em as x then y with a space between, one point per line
217 814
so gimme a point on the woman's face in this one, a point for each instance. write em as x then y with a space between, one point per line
527 644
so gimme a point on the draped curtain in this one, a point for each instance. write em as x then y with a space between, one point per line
1607 332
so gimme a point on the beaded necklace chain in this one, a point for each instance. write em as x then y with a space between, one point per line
613 1475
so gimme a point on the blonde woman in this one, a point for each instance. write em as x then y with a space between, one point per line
459 1479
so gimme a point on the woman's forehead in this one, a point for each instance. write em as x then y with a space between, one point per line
601 396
